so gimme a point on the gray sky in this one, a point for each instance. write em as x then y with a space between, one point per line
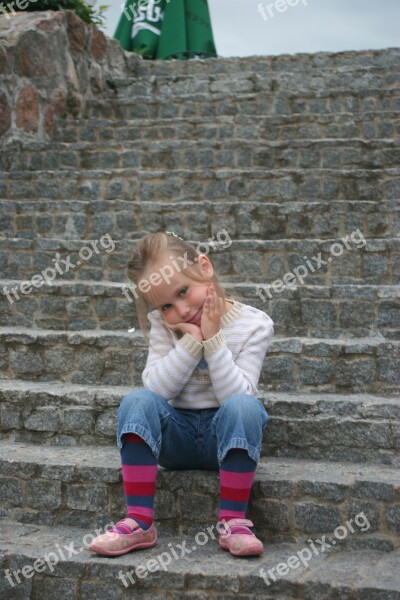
310 26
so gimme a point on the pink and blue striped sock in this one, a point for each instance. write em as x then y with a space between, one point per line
139 474
236 473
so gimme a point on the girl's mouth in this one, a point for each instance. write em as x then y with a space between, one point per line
194 318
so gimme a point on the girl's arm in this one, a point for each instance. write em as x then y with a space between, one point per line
168 367
242 375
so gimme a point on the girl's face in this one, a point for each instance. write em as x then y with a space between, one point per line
181 300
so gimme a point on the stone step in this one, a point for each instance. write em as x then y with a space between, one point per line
348 260
87 219
197 154
245 101
100 358
57 564
290 497
367 126
357 427
303 310
170 83
372 61
272 185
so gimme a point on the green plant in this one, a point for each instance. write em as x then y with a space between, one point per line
83 9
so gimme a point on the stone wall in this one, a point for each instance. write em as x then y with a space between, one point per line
50 64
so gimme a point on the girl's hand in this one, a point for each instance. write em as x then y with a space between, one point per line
194 330
213 309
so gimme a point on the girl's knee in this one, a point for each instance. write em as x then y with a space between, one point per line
136 398
246 408
242 402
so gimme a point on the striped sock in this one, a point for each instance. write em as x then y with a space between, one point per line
139 474
236 473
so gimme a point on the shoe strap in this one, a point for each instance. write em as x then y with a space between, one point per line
227 525
127 522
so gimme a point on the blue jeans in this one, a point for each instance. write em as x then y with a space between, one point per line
193 438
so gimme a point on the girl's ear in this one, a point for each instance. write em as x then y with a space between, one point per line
205 265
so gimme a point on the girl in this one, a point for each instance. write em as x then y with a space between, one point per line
198 408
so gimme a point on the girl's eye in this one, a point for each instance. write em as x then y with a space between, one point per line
181 292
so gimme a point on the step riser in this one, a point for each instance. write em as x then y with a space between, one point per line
280 508
366 126
208 155
334 438
279 186
261 220
356 261
278 83
366 366
244 104
358 311
281 66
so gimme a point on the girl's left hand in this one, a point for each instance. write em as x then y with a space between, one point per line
213 309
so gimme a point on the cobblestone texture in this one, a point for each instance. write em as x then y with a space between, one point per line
206 570
288 154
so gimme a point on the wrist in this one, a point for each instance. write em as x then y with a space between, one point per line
210 335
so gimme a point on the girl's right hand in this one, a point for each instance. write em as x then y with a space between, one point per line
194 330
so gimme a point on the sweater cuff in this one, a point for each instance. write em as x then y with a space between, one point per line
214 343
192 346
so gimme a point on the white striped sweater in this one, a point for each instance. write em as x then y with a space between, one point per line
190 374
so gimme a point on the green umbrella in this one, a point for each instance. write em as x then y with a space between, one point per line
165 29
139 27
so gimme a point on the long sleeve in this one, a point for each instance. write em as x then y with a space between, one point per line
194 375
169 367
230 376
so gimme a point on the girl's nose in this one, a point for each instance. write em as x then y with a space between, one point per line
182 309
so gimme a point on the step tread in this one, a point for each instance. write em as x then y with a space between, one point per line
220 172
224 144
311 92
88 285
349 343
206 565
229 119
268 469
93 393
291 206
42 242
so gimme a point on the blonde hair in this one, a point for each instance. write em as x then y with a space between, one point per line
148 250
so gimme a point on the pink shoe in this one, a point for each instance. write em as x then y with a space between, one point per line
113 543
240 544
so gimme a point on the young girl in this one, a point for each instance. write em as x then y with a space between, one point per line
198 408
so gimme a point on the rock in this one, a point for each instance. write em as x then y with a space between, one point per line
27 109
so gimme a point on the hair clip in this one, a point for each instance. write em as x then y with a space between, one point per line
174 234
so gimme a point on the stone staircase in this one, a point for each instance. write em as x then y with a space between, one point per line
288 155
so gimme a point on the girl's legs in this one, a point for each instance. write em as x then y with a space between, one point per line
139 474
150 432
239 425
236 473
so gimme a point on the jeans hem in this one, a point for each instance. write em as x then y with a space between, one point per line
242 444
143 433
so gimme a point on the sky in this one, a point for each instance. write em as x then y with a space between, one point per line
240 28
